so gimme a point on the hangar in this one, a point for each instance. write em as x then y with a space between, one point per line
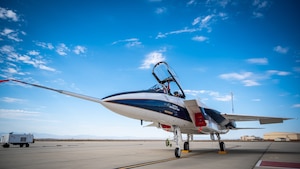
282 136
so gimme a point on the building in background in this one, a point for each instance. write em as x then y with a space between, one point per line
282 136
250 138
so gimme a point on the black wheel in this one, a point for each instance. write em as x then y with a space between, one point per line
186 146
27 145
177 152
21 145
5 145
222 146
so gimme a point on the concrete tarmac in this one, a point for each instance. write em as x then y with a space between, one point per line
149 154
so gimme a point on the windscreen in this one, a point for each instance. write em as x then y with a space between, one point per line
166 77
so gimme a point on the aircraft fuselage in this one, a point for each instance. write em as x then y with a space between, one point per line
164 109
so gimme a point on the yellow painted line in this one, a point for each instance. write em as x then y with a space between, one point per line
222 152
185 151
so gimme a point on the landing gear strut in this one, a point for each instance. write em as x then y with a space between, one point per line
221 143
177 139
186 145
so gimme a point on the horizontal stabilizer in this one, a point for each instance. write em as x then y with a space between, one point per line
245 128
261 119
271 120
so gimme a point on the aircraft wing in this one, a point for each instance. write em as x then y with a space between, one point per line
261 119
89 98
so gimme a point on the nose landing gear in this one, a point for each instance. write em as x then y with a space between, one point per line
177 139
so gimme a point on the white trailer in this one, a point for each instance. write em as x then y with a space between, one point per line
16 139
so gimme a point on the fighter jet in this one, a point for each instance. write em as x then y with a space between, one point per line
166 106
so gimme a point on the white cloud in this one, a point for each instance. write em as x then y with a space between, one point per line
206 19
12 100
194 92
256 100
196 21
280 49
7 31
224 3
131 42
79 49
62 49
8 14
260 4
223 15
161 35
11 70
296 69
13 56
236 76
185 30
134 43
251 79
223 98
44 67
153 58
191 2
278 73
246 78
160 10
199 23
33 53
10 53
250 83
260 61
45 45
259 8
36 63
205 22
296 106
17 114
257 14
199 38
213 94
11 34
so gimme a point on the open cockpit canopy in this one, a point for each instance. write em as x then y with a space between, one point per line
167 80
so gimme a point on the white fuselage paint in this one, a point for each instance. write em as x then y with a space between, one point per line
158 117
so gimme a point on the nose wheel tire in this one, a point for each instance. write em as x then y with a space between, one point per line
177 152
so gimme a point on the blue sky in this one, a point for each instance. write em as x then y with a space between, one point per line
98 48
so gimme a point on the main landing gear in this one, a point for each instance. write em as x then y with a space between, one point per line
221 144
186 145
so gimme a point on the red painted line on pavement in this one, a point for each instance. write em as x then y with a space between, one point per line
279 164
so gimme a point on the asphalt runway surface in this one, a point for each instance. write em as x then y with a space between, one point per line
149 154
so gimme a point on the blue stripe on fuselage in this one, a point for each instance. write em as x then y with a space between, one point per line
158 106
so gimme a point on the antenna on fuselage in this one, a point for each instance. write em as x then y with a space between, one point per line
232 108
